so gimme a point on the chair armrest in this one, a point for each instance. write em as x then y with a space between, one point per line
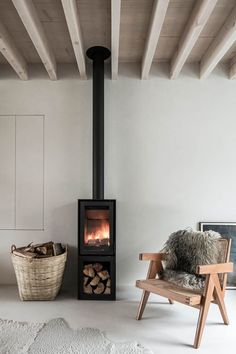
152 256
215 268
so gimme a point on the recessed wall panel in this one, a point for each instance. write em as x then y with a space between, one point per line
29 172
7 172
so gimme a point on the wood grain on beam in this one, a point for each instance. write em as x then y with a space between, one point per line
12 54
115 37
232 69
157 19
73 23
220 45
197 21
31 21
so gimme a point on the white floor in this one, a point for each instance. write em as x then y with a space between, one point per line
164 328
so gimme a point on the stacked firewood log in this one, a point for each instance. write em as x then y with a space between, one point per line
41 250
97 280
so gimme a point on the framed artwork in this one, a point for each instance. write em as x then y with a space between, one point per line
227 230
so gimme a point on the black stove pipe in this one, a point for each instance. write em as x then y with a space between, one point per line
98 55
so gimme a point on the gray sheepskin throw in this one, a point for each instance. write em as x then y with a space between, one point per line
186 249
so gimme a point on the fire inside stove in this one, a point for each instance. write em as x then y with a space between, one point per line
97 228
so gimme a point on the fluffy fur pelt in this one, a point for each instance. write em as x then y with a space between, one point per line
186 249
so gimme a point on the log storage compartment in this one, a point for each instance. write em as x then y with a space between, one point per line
97 278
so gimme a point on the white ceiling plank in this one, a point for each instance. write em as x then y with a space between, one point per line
115 37
12 54
33 25
157 19
197 21
73 23
220 45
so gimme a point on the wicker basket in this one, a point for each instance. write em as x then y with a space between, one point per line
39 278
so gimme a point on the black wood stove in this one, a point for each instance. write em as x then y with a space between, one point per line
97 216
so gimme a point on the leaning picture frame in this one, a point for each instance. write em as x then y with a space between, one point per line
227 230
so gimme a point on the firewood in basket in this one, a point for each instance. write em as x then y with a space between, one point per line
104 274
95 281
107 291
88 289
21 253
49 247
99 289
48 244
97 266
41 250
29 249
89 271
30 244
57 249
108 284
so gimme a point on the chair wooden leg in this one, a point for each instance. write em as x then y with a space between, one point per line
203 312
219 297
142 304
171 301
221 305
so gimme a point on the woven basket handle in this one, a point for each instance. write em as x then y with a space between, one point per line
13 248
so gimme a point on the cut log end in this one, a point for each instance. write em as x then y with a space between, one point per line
104 275
95 281
88 289
97 267
99 289
107 291
89 271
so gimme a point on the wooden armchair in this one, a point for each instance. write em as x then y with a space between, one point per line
214 291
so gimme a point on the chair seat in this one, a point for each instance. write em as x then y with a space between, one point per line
171 291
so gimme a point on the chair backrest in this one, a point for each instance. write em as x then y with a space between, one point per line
226 246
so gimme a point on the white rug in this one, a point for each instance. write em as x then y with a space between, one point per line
17 337
57 337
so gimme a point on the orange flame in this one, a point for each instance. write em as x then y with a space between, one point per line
100 234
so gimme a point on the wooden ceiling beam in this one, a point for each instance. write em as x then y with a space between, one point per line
220 45
115 37
73 23
197 21
232 70
12 54
157 19
33 25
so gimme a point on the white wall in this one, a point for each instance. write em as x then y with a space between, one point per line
169 156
